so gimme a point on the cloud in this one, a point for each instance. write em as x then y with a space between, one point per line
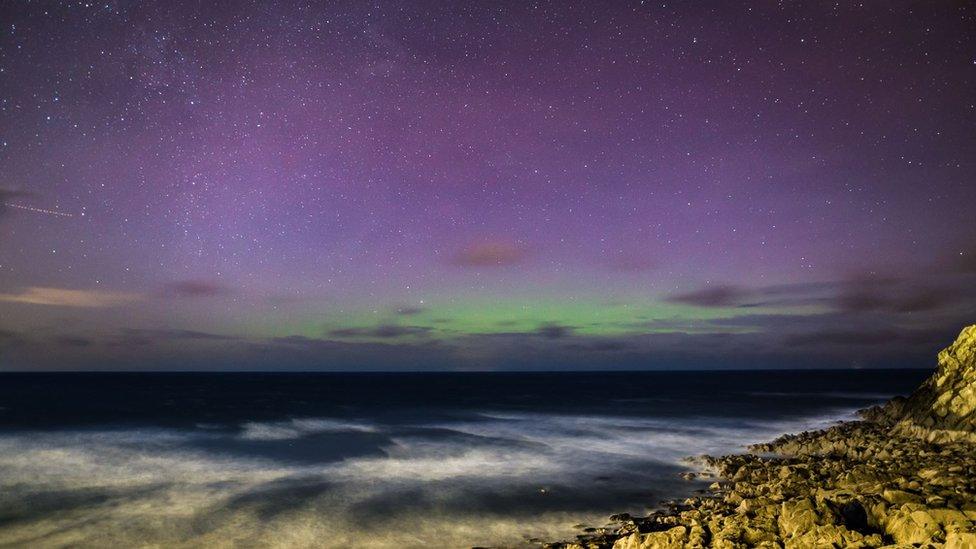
196 288
384 331
894 296
842 338
181 334
61 297
138 337
548 330
601 345
410 311
712 296
296 340
554 331
493 253
856 295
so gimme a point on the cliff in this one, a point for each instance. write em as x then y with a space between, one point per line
942 408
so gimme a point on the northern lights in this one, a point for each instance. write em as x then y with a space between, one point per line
352 186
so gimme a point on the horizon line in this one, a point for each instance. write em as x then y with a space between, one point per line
625 371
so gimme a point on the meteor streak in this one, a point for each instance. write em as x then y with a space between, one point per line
38 210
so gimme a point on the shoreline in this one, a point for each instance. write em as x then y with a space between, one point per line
904 475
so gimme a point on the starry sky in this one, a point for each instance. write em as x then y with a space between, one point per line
481 185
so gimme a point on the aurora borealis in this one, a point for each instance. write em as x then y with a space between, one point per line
471 185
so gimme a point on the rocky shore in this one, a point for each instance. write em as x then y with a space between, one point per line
904 476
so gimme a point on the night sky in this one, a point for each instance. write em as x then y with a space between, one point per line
475 185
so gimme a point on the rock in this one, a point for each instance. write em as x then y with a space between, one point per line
913 524
941 410
959 540
831 535
797 516
898 497
674 538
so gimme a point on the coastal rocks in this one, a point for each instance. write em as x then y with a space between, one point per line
675 538
798 516
942 408
904 477
912 524
957 540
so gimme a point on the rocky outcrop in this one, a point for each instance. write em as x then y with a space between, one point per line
942 408
904 477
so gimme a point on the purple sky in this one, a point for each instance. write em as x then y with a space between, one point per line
399 185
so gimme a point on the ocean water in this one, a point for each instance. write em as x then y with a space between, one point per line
379 460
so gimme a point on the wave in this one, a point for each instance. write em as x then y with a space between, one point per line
492 477
297 428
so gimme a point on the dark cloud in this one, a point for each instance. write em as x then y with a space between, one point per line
783 295
296 340
196 288
410 311
773 321
856 295
601 345
192 334
713 296
846 338
137 337
548 330
495 253
384 331
554 331
791 295
895 296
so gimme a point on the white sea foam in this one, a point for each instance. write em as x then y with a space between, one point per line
126 487
296 428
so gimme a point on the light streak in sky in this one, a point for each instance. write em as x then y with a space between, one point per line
38 210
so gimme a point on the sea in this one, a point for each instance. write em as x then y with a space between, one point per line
380 459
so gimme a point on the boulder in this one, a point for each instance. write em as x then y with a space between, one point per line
913 524
674 538
960 540
797 516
